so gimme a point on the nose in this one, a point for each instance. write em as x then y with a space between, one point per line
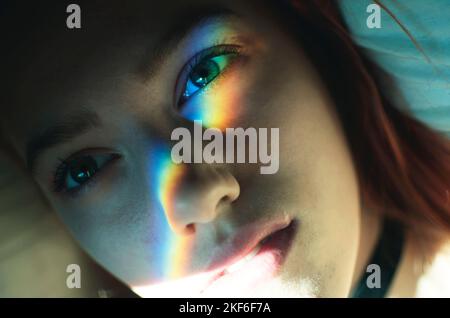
203 192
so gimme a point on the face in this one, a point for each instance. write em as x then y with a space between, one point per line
93 122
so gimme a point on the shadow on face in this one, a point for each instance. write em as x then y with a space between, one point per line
93 114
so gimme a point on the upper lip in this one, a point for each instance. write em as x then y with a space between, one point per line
234 248
244 241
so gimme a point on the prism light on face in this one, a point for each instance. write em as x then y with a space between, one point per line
174 253
216 104
217 108
253 280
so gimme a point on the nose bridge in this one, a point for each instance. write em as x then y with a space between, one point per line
200 196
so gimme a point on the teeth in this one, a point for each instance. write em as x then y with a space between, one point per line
236 266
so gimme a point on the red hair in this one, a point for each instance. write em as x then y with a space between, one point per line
403 165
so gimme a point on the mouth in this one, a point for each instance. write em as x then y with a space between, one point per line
253 256
258 261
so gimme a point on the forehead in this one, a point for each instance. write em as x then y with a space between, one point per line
40 43
39 33
49 63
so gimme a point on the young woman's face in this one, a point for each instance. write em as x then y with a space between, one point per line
96 110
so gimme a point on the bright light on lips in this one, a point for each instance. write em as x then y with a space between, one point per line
219 283
255 271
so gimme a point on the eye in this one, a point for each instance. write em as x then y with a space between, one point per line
204 68
72 174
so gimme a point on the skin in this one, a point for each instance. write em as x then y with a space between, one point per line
113 218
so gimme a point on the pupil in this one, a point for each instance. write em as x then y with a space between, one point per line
83 169
204 73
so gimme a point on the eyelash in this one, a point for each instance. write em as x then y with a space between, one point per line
59 175
205 55
62 172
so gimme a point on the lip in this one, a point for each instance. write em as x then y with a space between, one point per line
275 237
244 241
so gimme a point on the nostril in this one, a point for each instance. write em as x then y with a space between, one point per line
190 228
225 199
200 199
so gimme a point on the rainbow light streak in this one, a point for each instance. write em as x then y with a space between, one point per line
175 251
217 104
215 109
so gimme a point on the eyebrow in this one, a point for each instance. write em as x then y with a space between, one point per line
63 132
85 120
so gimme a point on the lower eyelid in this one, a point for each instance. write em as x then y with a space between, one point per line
217 49
237 60
94 181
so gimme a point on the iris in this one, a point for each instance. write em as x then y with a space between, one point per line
83 169
203 72
78 170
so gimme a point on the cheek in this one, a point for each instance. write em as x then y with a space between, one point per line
126 229
223 103
316 181
332 215
125 234
315 153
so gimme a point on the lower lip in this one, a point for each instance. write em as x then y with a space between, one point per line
260 269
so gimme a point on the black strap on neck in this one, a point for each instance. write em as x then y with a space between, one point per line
386 255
